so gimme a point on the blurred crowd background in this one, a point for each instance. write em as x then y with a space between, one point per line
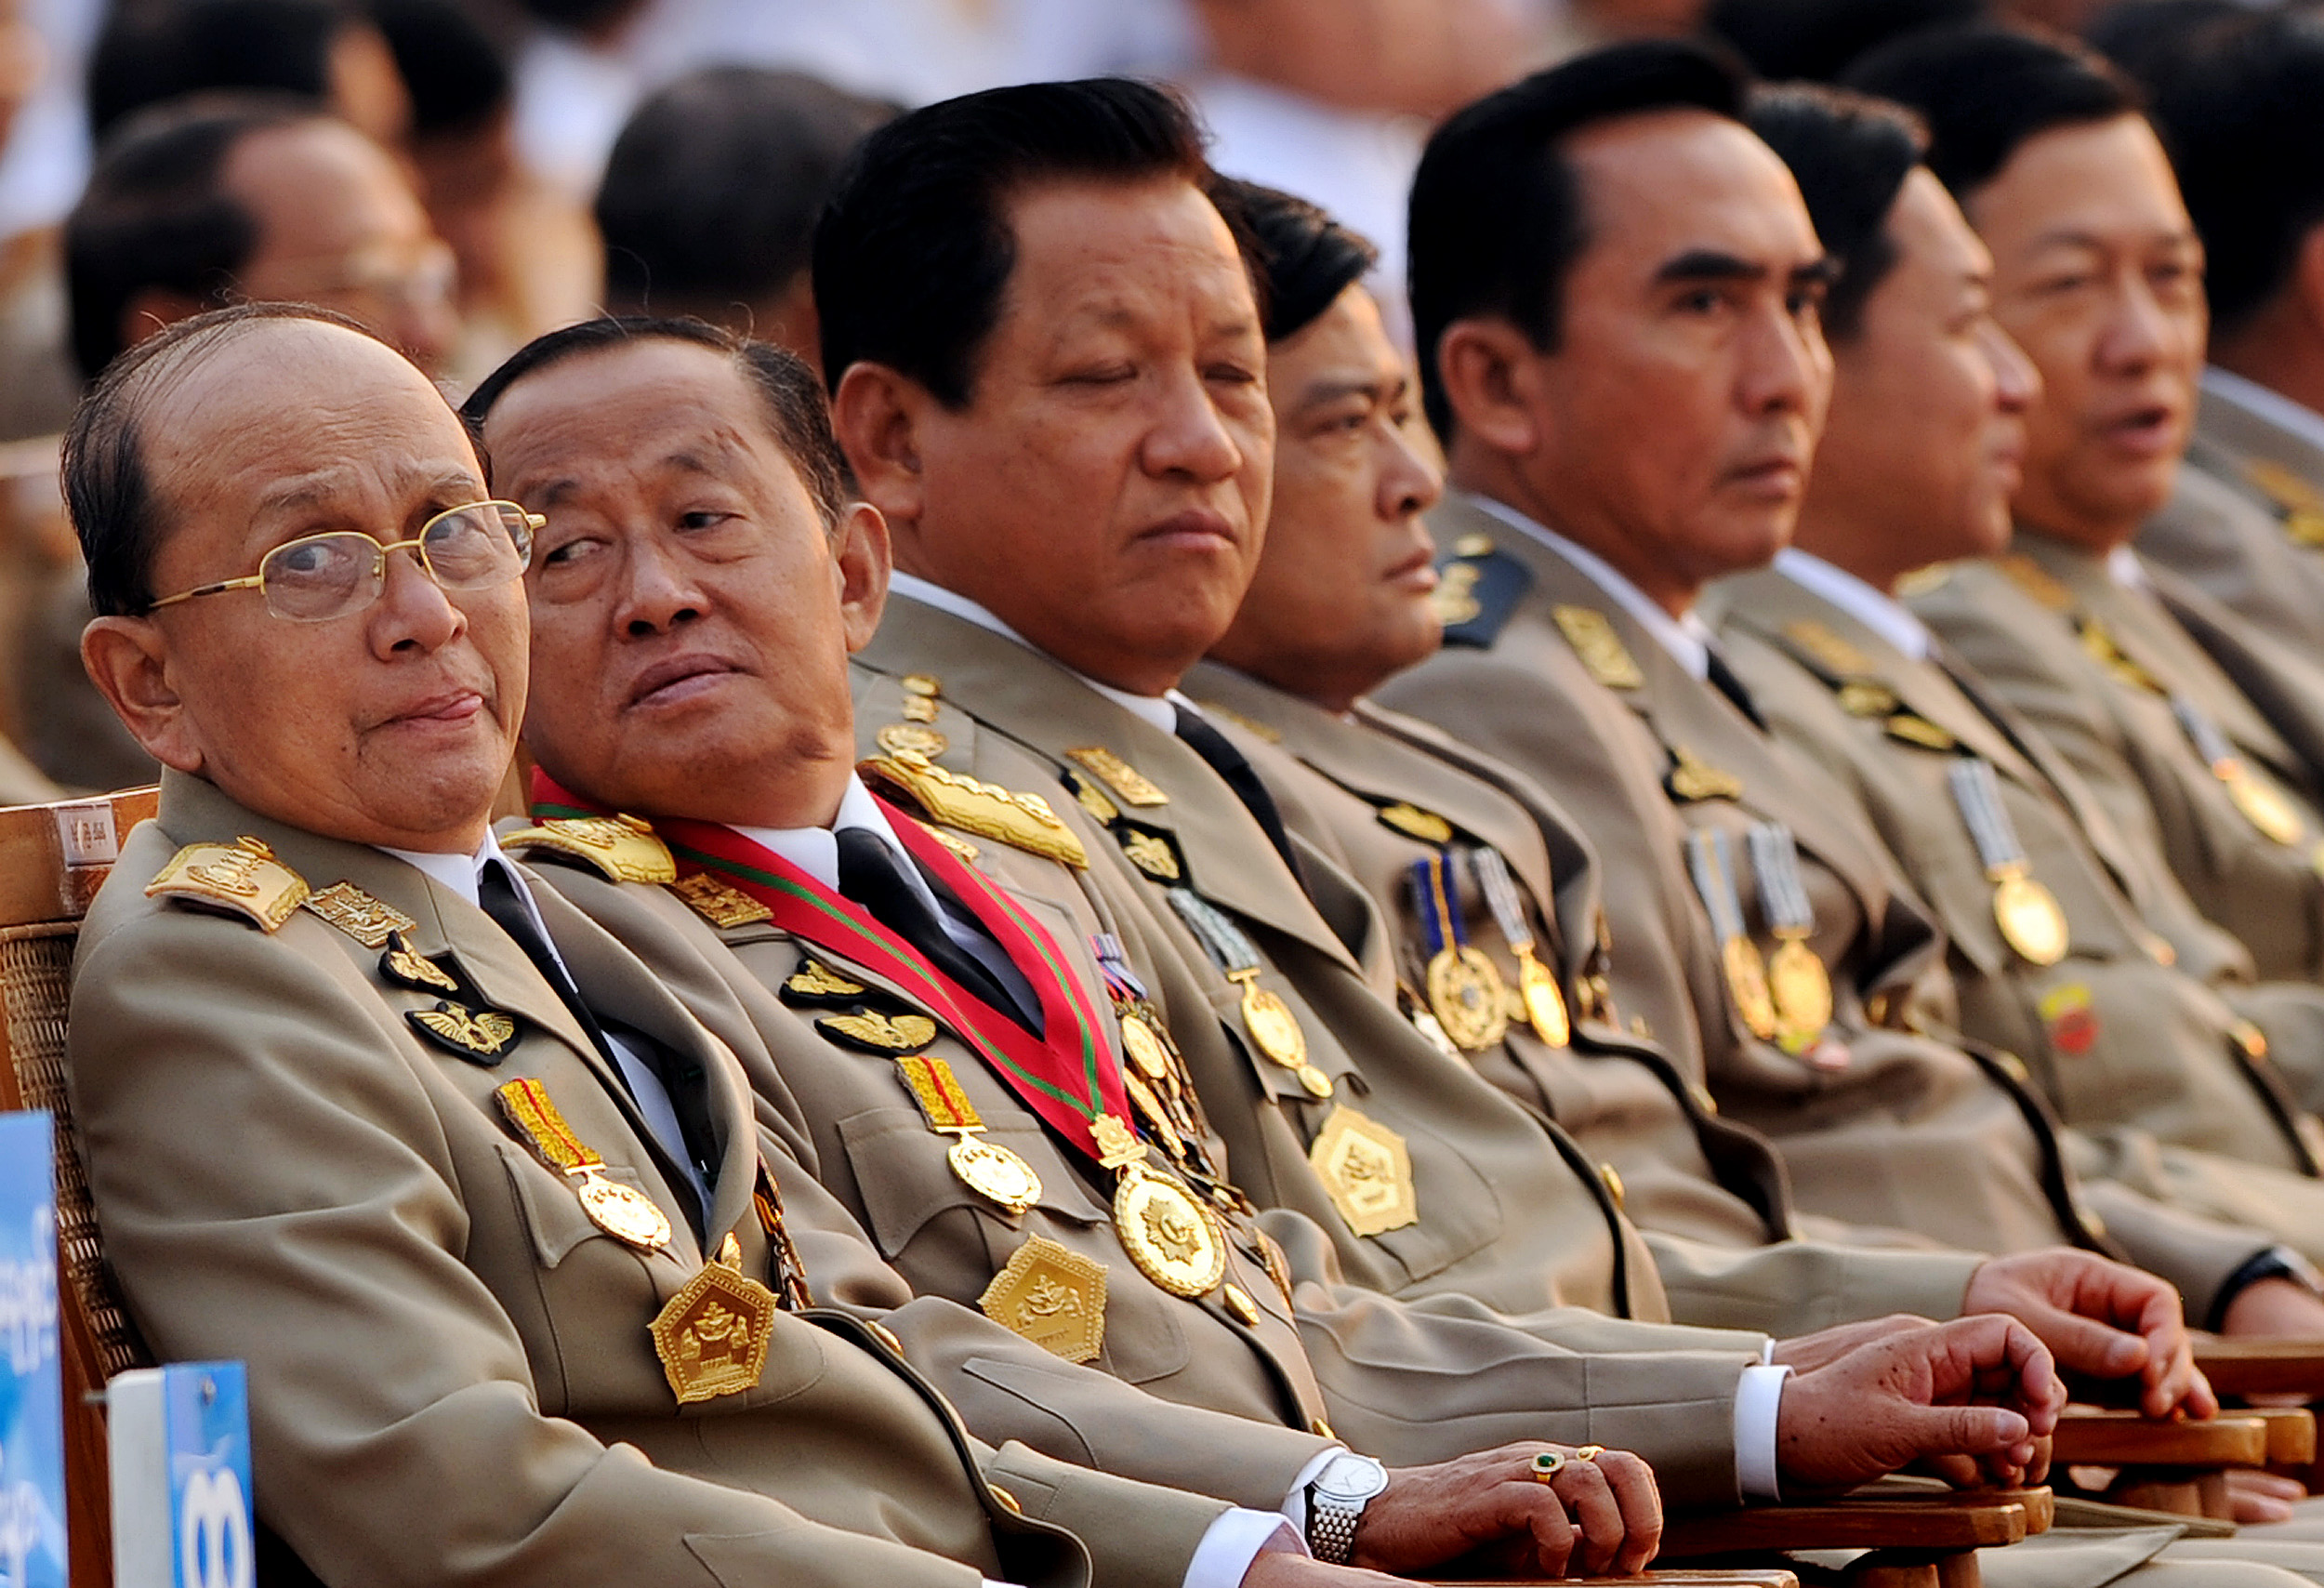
462 175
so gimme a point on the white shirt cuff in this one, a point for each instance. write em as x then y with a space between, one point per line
1758 1400
1294 1502
1235 1539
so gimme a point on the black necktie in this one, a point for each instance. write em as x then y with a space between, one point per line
1229 763
497 894
871 874
1722 679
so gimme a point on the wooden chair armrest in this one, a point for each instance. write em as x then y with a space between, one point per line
2291 1433
2089 1437
1924 1522
2262 1367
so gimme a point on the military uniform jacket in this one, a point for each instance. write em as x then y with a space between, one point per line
2116 1036
2246 524
1912 1133
1710 1196
1514 1228
1408 1384
452 1377
2035 627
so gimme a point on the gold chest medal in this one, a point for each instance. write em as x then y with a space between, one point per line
712 1336
1274 1030
623 1212
1797 979
1168 1234
1051 1295
1539 999
1545 1004
1747 981
1367 1170
2030 919
1466 993
986 1168
1801 989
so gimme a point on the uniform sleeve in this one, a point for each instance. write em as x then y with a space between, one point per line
275 1185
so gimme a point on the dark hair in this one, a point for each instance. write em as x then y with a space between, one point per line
149 53
2240 119
1304 258
711 194
156 215
1985 91
1817 39
915 247
796 413
458 77
115 511
1498 216
2149 38
1850 154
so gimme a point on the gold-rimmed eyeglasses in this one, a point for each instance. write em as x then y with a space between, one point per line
318 578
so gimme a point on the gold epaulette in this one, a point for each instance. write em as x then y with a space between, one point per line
2035 581
242 877
623 848
1820 640
1603 655
948 798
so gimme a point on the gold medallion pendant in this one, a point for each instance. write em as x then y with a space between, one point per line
994 1172
712 1336
1367 1170
1144 1047
623 1212
1168 1233
1465 992
1747 980
2030 918
1051 1295
1802 990
1545 1004
1276 1030
2262 802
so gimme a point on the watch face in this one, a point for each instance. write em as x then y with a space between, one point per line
1352 1479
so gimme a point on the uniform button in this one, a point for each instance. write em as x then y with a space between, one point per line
887 1337
1703 1100
1007 1501
1613 1179
1320 1428
2249 1039
1239 1301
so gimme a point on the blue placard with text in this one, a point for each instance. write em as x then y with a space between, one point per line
32 1382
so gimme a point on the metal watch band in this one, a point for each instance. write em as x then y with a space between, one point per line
1331 1528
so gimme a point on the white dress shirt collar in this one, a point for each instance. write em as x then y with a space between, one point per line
816 850
1864 601
1687 638
1157 710
459 872
2124 568
2267 404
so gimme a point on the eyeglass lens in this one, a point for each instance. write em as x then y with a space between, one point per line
328 576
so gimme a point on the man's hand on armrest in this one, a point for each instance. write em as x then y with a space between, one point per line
1968 1399
2101 1318
1600 1517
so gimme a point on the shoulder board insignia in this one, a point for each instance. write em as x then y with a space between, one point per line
243 878
912 738
1922 581
2099 644
869 1031
1248 724
1819 642
1134 787
1860 697
720 903
1154 852
1690 780
368 921
1476 591
951 799
623 848
2285 488
1413 822
1093 799
2035 581
962 849
1912 729
1601 649
815 985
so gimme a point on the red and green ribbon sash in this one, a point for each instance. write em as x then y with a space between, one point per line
1067 1075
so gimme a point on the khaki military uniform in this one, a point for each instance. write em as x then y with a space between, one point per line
2107 675
1710 1196
1514 1225
1893 1129
452 1375
2246 523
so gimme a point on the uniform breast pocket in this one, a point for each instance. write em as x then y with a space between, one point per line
912 1197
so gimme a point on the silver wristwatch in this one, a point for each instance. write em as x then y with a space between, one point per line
1335 1503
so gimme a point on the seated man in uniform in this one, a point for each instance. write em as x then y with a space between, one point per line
2182 718
481 1205
1655 394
